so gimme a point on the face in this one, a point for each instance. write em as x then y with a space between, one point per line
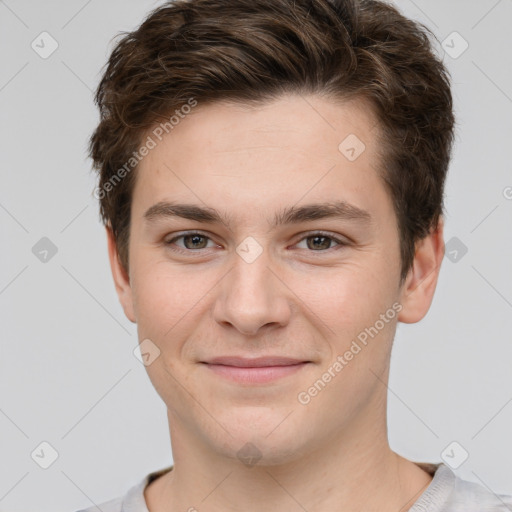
272 270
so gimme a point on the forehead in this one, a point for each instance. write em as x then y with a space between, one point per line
243 158
294 122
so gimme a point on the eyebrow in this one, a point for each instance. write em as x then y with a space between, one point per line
290 215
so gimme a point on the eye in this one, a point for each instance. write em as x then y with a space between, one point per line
191 242
194 241
320 241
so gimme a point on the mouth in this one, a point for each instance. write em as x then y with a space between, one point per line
254 371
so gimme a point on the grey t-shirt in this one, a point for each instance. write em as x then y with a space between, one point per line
446 493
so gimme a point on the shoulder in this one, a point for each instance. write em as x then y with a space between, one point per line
468 496
113 505
133 500
450 493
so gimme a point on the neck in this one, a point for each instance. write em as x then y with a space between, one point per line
355 470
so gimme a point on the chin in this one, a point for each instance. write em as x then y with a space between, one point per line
267 441
258 452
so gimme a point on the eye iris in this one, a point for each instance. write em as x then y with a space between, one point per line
315 238
195 238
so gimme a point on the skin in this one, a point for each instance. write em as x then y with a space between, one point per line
293 300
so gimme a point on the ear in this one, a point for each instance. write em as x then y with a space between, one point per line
121 278
420 284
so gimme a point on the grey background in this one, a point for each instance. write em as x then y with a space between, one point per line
68 374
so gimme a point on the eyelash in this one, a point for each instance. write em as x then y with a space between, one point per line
170 242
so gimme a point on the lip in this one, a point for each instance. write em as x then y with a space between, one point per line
258 370
256 362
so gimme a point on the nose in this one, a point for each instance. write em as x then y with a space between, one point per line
252 297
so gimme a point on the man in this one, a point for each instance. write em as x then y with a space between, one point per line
271 181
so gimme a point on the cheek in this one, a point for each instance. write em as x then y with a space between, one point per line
162 298
167 305
347 295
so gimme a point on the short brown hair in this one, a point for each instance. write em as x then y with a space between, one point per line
254 51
